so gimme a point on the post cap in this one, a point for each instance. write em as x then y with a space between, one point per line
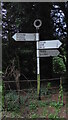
37 23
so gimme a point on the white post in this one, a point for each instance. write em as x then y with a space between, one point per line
38 65
37 47
37 24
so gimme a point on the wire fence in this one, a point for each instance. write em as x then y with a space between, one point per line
28 84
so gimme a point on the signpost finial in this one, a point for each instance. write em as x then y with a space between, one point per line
37 23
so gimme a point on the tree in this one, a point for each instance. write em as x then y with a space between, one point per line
60 32
64 8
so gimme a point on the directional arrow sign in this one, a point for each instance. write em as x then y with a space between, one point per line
49 44
24 37
48 53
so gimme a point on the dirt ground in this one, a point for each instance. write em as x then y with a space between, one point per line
33 108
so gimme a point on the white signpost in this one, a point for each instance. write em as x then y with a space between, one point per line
48 53
50 44
24 37
45 48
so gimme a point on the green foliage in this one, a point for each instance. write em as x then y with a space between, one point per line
52 116
45 111
0 81
58 65
45 90
57 105
48 88
0 88
48 85
3 97
42 104
11 101
34 115
60 97
32 106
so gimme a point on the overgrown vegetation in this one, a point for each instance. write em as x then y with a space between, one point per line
11 101
58 65
30 106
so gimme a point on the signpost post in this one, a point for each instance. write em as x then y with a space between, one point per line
37 24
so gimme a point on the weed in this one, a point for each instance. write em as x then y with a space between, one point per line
45 112
42 104
46 90
32 106
59 104
11 101
52 116
34 115
48 87
60 97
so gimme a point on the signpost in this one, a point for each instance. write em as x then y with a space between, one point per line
50 44
45 48
48 53
24 37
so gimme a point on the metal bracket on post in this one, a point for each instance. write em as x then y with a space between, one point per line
37 25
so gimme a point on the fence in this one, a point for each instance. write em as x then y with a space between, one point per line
29 84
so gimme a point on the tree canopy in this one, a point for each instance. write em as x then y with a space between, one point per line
19 17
